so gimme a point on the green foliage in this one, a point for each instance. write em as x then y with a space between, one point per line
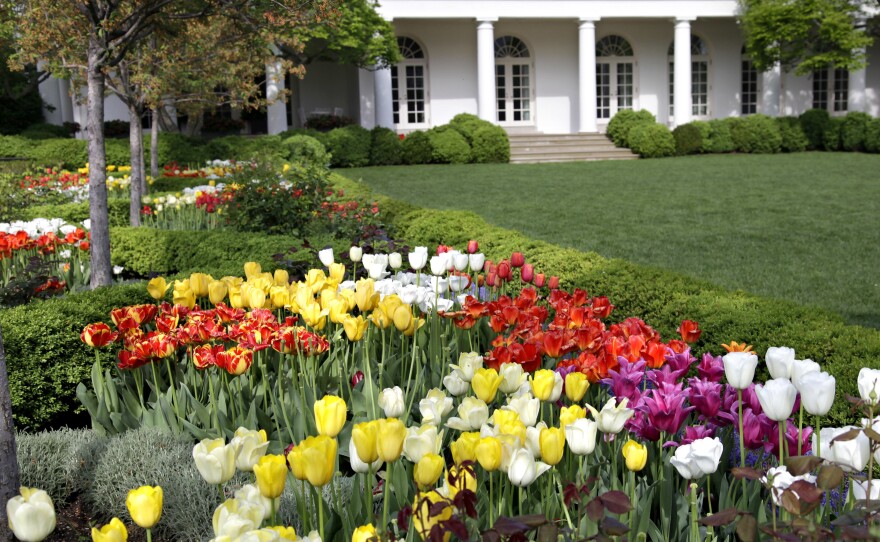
416 147
236 147
174 184
69 153
45 357
119 152
688 139
15 146
705 129
853 131
872 136
359 37
490 145
793 138
75 213
301 147
61 463
385 148
448 146
186 151
758 134
815 123
831 137
155 458
804 36
651 140
18 114
44 130
348 146
466 124
620 125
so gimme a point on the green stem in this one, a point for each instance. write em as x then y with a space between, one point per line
491 499
273 513
222 494
149 535
320 513
385 498
781 443
742 445
818 436
632 501
801 429
695 529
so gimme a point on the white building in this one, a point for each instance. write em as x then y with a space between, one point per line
555 67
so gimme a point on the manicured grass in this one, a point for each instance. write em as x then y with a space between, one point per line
803 227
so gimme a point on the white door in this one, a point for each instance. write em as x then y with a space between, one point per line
614 88
513 85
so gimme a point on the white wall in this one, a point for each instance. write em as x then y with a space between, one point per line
872 81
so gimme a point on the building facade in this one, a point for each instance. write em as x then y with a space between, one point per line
560 66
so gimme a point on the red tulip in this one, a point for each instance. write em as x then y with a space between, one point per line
357 378
473 247
503 270
517 259
528 273
236 360
554 282
98 335
206 355
690 331
540 280
441 249
490 279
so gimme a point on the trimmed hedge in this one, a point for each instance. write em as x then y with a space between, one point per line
621 124
663 299
416 148
720 139
385 147
490 145
831 137
853 131
688 139
448 146
651 140
815 123
349 146
304 148
872 136
75 213
758 134
793 138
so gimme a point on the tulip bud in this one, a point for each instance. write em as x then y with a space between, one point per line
503 270
355 253
581 436
418 258
552 442
438 265
115 531
428 470
460 261
364 533
215 460
319 458
576 385
391 401
357 378
488 452
441 249
271 473
517 259
157 288
554 283
476 261
540 280
395 260
330 414
391 434
145 505
281 277
472 247
636 455
326 256
31 515
217 291
527 273
365 436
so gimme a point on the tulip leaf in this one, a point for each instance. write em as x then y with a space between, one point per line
802 464
616 502
829 477
746 472
849 435
720 518
747 528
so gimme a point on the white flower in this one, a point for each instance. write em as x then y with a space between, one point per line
612 417
357 464
117 269
455 385
781 479
819 396
860 490
235 517
421 441
852 455
514 377
523 469
869 385
580 435
215 460
777 398
252 446
355 253
326 256
699 458
418 257
533 439
472 414
435 406
468 363
526 405
251 493
395 260
438 265
739 368
459 261
392 402
800 367
779 361
31 515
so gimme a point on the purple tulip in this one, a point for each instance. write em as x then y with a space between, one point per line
696 432
711 368
641 426
665 407
791 439
750 399
756 427
680 362
666 376
705 395
627 380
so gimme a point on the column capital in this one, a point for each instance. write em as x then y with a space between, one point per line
588 22
486 22
685 20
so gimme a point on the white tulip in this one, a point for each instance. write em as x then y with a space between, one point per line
421 441
458 283
860 490
612 417
447 259
392 402
31 515
251 447
739 368
260 535
780 480
215 460
357 464
326 256
435 406
459 261
395 260
523 469
777 398
251 493
819 392
376 270
851 455
476 261
438 265
235 517
527 406
779 361
468 363
418 258
699 458
869 385
580 435
472 414
533 439
455 385
355 254
800 367
514 377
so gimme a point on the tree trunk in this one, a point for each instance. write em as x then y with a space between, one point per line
9 480
136 144
154 145
102 271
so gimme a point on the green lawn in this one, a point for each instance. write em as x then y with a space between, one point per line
803 227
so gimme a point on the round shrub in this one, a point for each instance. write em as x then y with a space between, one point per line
60 462
814 123
385 149
688 139
757 134
852 131
793 138
651 140
306 149
490 145
416 147
223 148
186 151
620 125
348 146
118 152
831 137
467 124
15 146
872 136
705 134
448 146
719 139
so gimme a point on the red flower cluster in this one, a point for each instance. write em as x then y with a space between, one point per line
46 243
222 336
54 180
173 169
211 201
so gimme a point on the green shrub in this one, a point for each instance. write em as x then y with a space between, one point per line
301 147
15 146
45 357
490 145
620 125
119 153
466 124
18 114
872 136
688 139
831 138
385 148
75 213
69 153
719 139
757 134
186 151
651 140
853 131
348 146
223 148
61 463
45 131
815 123
448 146
154 458
793 138
416 147
236 147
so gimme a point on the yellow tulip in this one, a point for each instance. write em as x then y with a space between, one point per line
428 470
337 272
380 319
571 413
198 282
157 288
330 415
413 326
235 299
488 453
271 472
256 297
402 317
542 383
365 295
425 513
114 531
315 280
319 456
364 533
314 316
252 269
217 291
338 310
552 441
366 440
286 533
459 479
280 296
576 385
296 463
485 383
145 505
391 434
183 294
636 455
354 327
326 296
302 296
281 277
465 448
348 297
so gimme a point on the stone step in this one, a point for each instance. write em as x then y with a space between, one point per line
532 148
592 146
562 157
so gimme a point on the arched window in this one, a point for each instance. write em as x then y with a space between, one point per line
749 85
615 76
408 93
699 77
513 82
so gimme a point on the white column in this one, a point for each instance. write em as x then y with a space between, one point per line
367 99
771 91
856 98
683 103
587 74
276 110
486 69
382 90
66 100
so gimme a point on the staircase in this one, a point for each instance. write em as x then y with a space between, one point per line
534 148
